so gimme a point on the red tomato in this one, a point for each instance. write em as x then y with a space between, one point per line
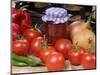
15 27
36 45
55 62
14 35
88 60
75 55
31 34
62 45
20 47
45 52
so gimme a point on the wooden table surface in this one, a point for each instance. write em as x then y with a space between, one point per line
16 70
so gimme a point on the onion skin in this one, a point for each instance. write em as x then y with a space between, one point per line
78 26
81 34
84 38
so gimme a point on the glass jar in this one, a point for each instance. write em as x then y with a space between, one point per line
56 24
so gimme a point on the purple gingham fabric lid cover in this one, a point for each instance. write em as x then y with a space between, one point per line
56 15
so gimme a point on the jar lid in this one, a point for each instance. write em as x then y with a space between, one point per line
56 15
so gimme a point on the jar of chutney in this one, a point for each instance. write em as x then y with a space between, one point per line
56 24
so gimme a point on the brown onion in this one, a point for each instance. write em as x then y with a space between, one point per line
78 26
84 38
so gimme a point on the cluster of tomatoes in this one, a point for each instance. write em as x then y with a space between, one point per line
30 41
53 56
